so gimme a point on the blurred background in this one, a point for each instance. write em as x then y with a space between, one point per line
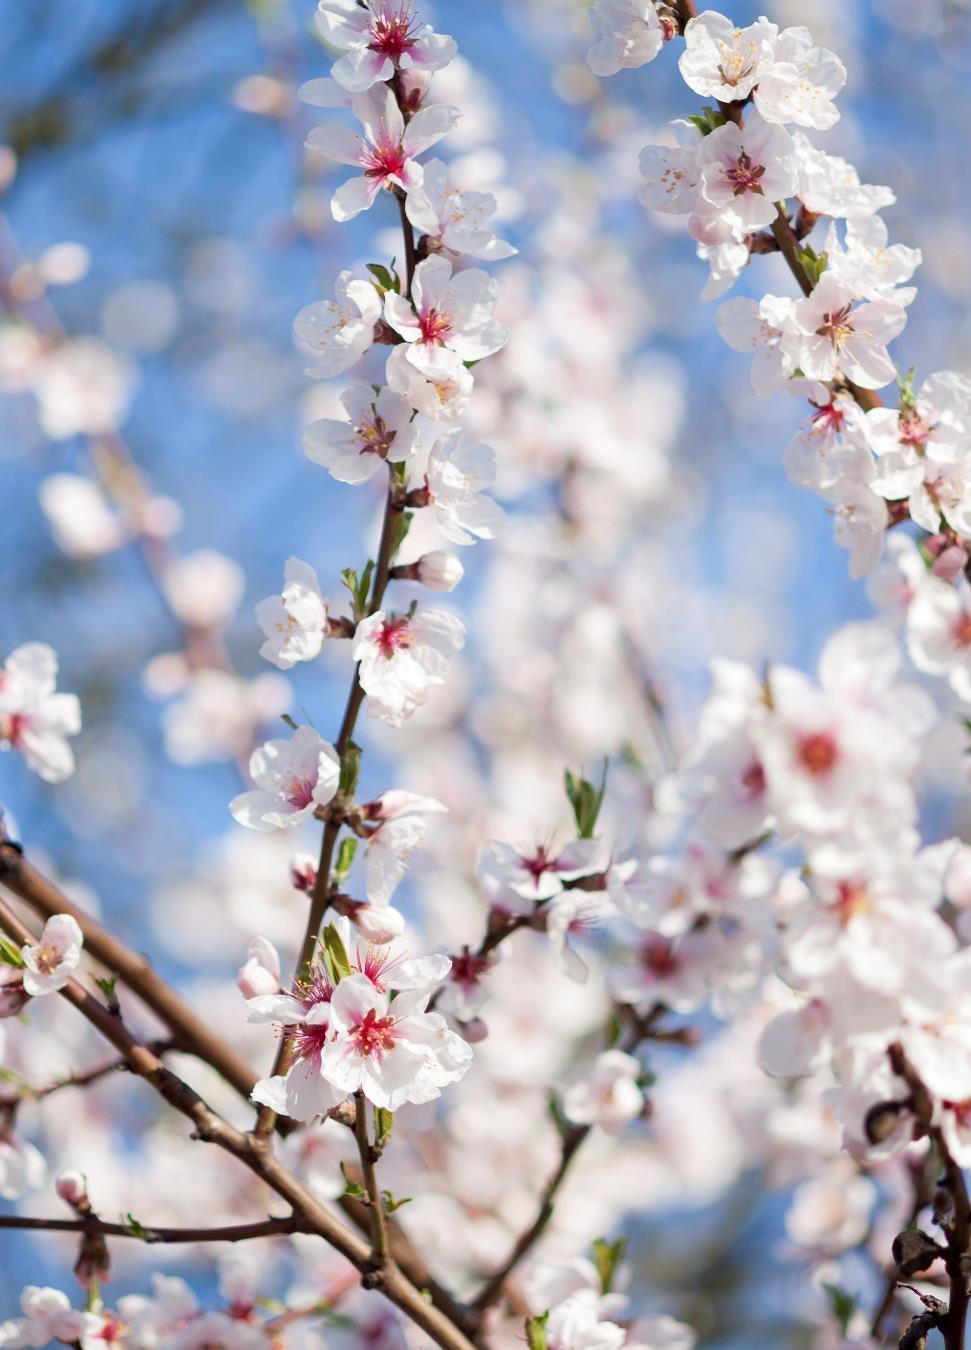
160 226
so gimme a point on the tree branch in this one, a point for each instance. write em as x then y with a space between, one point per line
379 1219
241 1232
254 1153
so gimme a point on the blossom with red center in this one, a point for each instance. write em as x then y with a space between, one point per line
446 309
744 171
818 753
378 428
34 718
379 38
839 336
293 777
393 1051
401 658
385 153
516 879
302 1092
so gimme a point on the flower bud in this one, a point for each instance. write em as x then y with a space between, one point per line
93 1265
71 1188
474 1031
439 571
303 872
950 563
261 973
412 88
881 1121
378 923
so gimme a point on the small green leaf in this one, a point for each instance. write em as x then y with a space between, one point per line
285 717
401 528
364 587
813 264
905 383
109 987
10 953
555 1109
536 1332
387 279
351 1187
607 1256
383 1123
138 1230
345 859
708 121
335 955
842 1303
586 801
391 1204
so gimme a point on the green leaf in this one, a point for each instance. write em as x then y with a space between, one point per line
708 120
138 1230
905 383
813 264
285 717
387 279
586 800
345 859
555 1109
364 587
401 527
335 955
109 987
10 953
607 1256
842 1303
536 1332
351 1187
383 1123
391 1204
350 768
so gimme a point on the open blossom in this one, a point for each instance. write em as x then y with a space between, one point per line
52 960
454 221
516 879
866 260
860 520
724 62
402 820
339 331
379 38
293 777
671 172
433 379
578 1324
939 632
839 336
766 328
831 445
295 623
744 171
628 33
609 1096
379 428
458 473
830 186
386 153
47 1316
34 718
392 1050
448 310
922 452
403 656
303 1092
800 82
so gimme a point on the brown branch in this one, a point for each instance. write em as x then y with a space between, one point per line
256 1154
189 1032
957 1226
240 1232
379 1219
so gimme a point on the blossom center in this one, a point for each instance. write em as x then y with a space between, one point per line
852 898
309 1039
12 727
753 779
658 956
392 34
392 636
434 326
745 176
961 630
299 792
375 437
385 159
818 753
836 326
374 1035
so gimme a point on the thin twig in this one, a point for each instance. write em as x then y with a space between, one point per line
379 1219
150 1233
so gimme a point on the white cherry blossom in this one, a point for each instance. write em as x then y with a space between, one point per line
838 336
433 380
295 622
379 38
458 473
448 310
628 34
379 428
340 331
402 657
293 777
34 718
386 153
800 82
52 960
609 1096
743 172
724 62
453 221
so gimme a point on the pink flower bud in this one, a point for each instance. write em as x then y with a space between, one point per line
950 563
412 88
378 923
303 872
474 1031
439 571
261 973
71 1188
